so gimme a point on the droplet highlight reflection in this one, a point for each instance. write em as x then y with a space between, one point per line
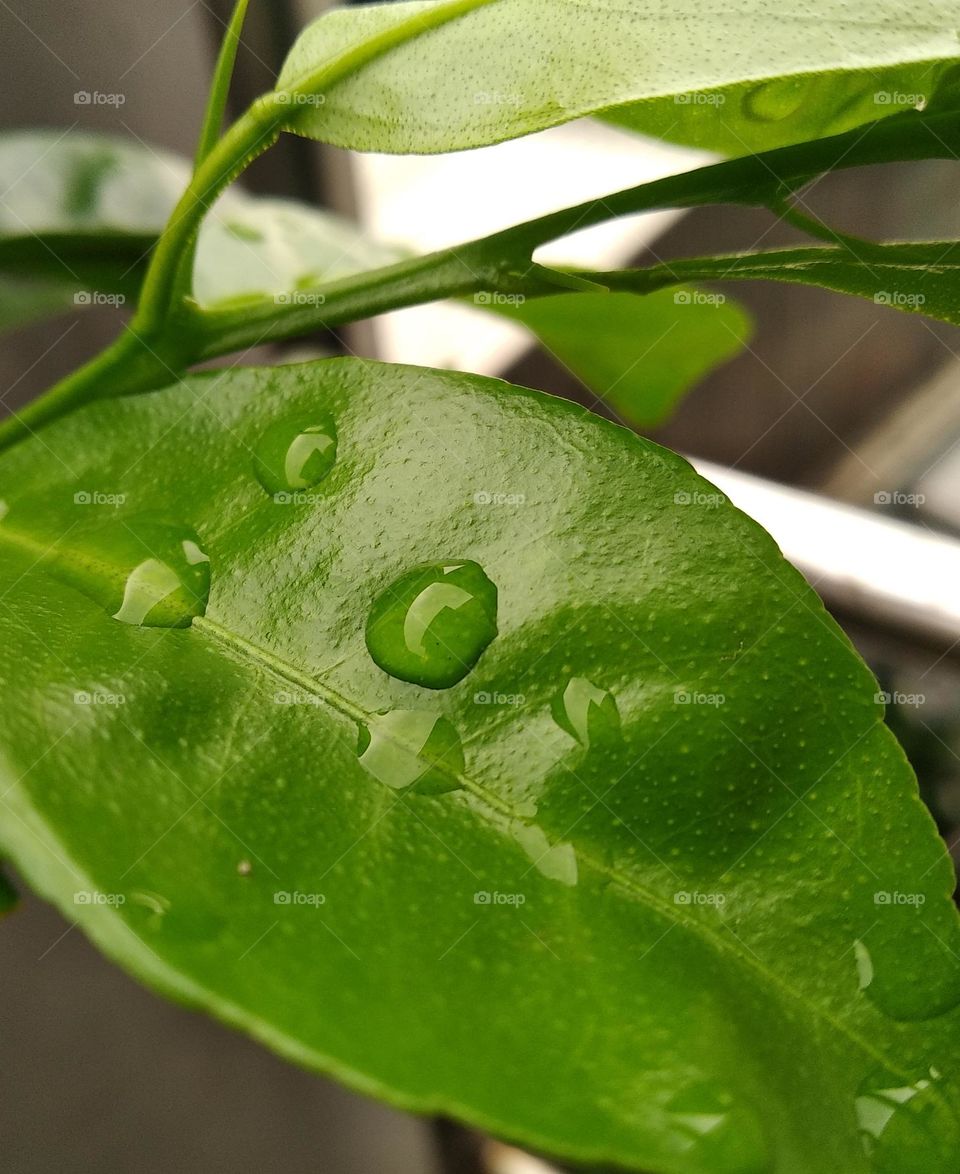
296 453
586 712
432 625
412 750
906 1127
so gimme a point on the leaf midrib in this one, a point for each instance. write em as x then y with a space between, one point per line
289 673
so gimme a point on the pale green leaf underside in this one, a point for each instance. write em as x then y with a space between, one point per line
81 212
700 979
511 67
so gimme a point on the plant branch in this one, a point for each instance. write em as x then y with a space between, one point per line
169 335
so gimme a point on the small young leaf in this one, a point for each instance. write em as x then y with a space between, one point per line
640 355
499 70
917 277
651 884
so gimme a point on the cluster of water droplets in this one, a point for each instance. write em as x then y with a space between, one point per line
428 627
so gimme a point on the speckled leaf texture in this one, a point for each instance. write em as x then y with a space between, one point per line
657 890
738 77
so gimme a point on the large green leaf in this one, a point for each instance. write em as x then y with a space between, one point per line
640 355
650 884
81 213
916 277
746 75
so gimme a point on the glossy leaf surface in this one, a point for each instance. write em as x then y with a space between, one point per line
650 884
737 77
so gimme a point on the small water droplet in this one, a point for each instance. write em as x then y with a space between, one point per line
432 625
296 453
412 750
907 1128
162 594
586 712
864 965
775 100
725 1137
554 861
243 232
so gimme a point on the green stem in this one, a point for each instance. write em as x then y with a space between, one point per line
127 366
184 334
249 137
220 87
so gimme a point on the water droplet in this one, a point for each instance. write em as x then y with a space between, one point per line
296 453
776 100
554 861
141 571
907 1128
725 1137
162 594
185 920
431 626
586 712
412 750
244 232
864 965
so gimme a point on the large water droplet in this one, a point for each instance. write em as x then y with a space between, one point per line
776 100
431 626
586 712
907 1127
296 453
412 750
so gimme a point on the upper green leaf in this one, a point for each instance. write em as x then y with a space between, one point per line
494 763
750 74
